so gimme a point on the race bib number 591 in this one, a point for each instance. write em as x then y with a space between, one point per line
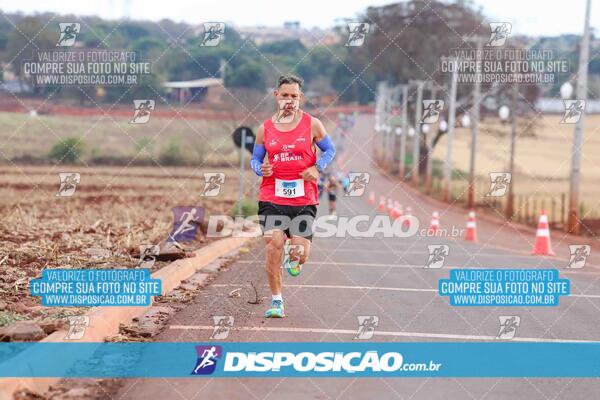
289 189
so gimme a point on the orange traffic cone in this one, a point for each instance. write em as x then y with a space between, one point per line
390 209
393 211
390 205
471 233
381 203
435 223
542 245
372 198
406 222
398 211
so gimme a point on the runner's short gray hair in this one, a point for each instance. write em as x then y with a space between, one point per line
289 78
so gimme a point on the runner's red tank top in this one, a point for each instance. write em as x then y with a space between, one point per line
289 153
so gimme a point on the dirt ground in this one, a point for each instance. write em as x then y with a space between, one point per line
113 211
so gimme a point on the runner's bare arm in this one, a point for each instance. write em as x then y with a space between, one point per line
260 135
318 129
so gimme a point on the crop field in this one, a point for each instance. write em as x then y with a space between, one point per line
542 160
113 211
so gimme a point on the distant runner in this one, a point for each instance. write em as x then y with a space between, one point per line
288 196
332 191
321 184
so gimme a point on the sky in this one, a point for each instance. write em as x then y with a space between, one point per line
530 17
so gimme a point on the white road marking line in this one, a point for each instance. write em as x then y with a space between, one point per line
421 252
393 289
447 267
378 333
352 264
520 255
396 289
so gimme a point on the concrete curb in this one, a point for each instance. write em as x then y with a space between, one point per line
105 321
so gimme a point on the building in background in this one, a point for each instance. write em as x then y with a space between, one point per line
198 90
289 30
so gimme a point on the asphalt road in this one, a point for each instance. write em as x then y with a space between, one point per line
385 277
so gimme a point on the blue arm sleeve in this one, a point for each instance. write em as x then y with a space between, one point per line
256 161
328 148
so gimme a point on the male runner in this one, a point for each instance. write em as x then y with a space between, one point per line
288 195
332 191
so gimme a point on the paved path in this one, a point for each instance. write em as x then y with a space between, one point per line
348 277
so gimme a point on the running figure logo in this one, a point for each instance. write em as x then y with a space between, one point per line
366 326
357 33
186 223
499 182
358 183
574 109
508 326
148 254
212 183
437 255
499 34
286 111
207 359
431 111
77 326
213 34
222 326
68 183
141 111
68 33
292 253
579 255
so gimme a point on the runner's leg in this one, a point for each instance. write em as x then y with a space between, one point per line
274 240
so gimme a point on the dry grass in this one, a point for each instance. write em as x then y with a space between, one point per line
543 161
114 209
116 137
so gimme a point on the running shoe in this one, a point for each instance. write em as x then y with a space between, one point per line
276 311
293 267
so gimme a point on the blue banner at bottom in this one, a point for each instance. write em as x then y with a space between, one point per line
300 359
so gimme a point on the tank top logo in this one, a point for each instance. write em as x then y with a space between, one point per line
286 156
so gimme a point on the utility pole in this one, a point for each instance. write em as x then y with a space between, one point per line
451 123
573 222
417 138
396 149
429 142
390 132
475 119
402 168
513 139
242 192
386 132
383 120
379 118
